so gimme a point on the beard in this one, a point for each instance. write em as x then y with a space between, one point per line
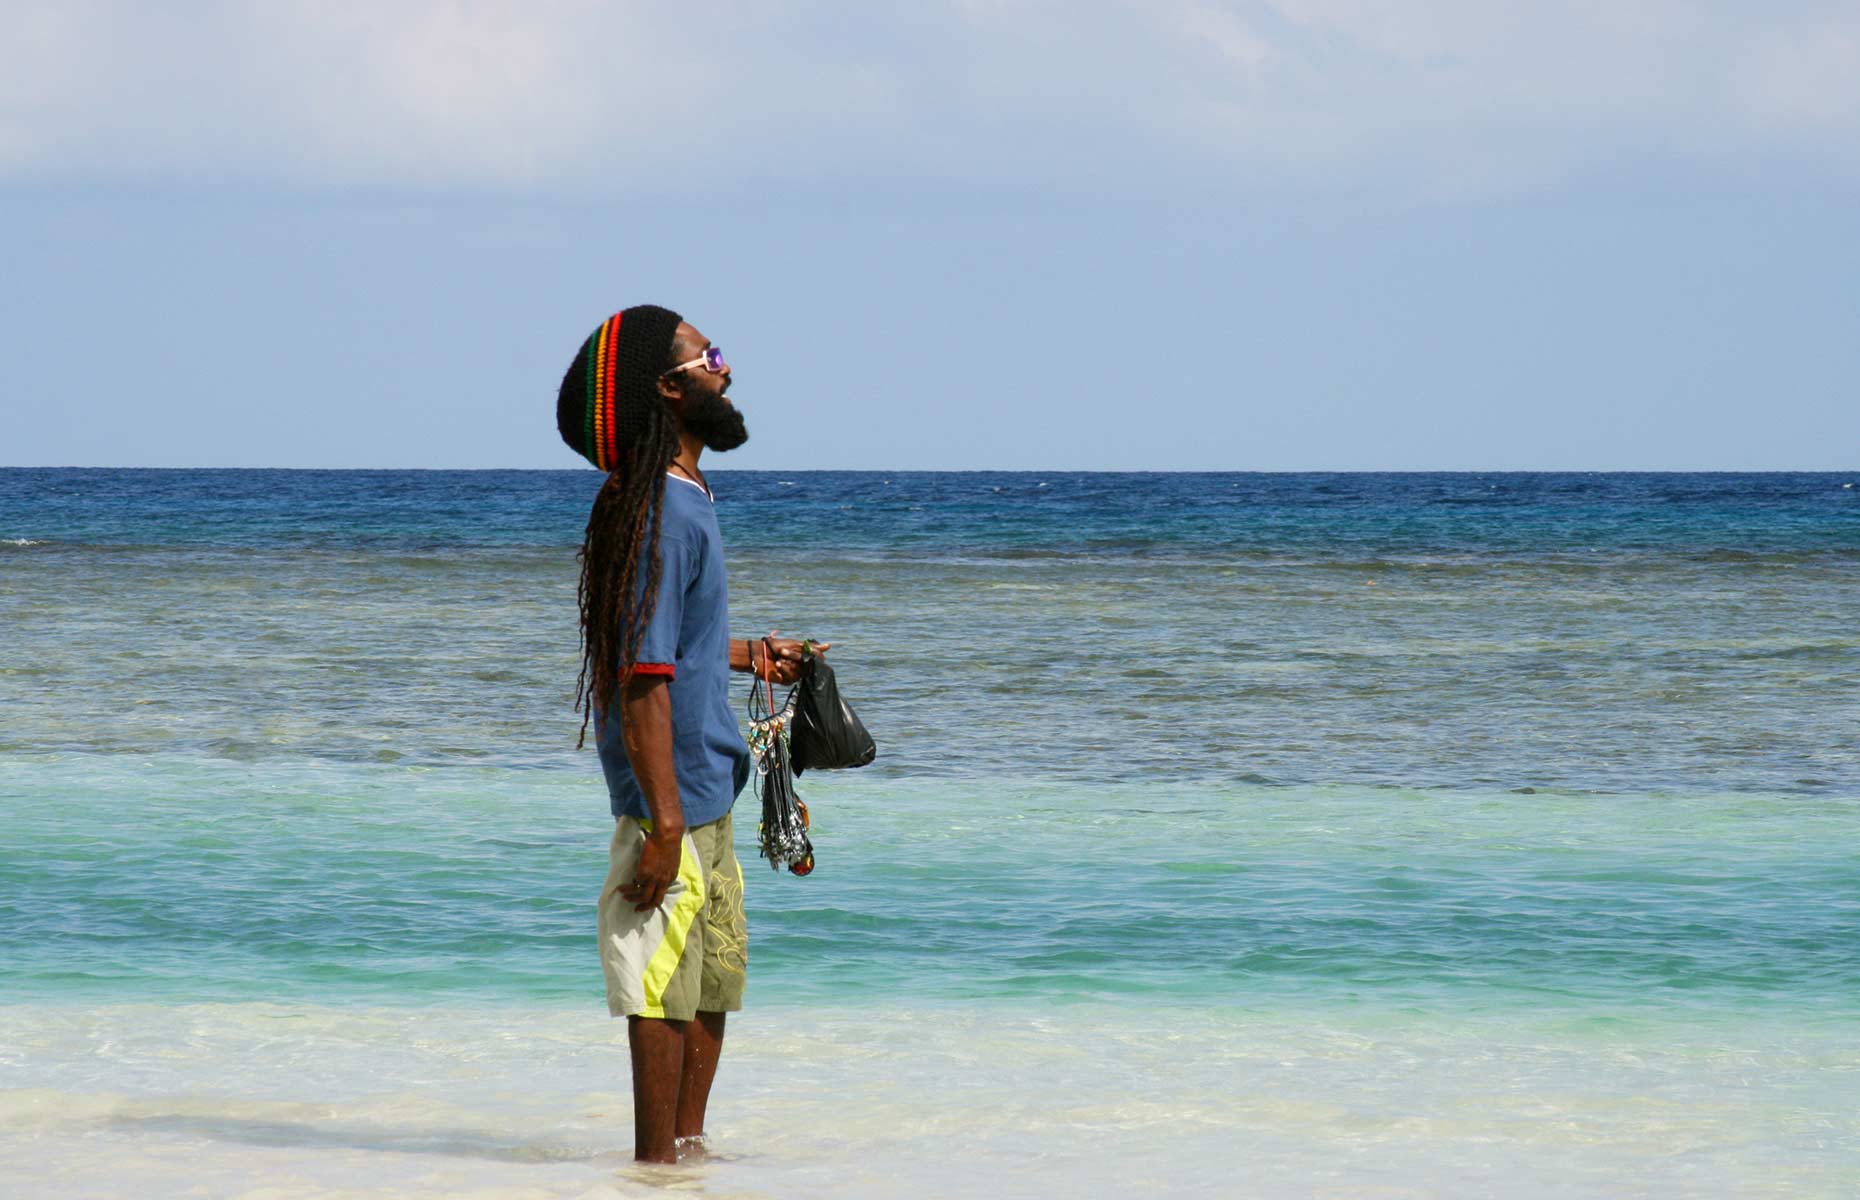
715 422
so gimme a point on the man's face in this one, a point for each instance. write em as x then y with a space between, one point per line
702 408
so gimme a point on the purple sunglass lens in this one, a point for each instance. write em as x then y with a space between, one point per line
713 359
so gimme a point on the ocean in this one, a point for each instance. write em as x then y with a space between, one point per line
1245 835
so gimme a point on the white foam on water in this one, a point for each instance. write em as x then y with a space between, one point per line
270 1100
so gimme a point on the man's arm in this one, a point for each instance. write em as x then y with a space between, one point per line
646 728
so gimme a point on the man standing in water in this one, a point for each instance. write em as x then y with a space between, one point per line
642 400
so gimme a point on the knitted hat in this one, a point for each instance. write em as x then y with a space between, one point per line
612 378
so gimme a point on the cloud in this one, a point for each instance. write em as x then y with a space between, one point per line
1805 80
632 97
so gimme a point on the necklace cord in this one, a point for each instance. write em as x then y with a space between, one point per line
686 472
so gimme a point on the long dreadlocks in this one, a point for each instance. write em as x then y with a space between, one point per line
609 410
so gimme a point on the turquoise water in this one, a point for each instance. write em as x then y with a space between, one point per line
1230 835
196 880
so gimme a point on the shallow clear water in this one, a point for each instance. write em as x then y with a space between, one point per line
1239 835
924 1099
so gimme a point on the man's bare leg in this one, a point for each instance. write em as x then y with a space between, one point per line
703 1047
658 1049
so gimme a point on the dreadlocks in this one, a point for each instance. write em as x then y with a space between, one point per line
609 410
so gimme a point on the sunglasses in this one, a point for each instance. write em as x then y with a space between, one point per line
711 360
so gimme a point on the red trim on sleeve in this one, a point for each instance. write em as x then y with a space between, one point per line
665 669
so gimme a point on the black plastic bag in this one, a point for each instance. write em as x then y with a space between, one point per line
827 734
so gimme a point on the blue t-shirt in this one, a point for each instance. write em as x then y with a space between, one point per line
688 639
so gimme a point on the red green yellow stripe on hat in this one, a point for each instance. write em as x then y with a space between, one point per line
602 361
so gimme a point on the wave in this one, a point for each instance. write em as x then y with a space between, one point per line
1809 650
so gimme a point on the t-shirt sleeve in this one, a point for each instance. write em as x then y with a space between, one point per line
658 643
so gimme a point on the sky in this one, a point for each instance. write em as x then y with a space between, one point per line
980 234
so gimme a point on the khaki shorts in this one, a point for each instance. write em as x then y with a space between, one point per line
688 955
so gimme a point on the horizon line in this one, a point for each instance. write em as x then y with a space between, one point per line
1009 470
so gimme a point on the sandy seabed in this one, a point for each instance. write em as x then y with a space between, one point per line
273 1100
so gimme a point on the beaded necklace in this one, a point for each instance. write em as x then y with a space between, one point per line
783 832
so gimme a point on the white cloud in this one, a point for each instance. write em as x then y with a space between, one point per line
1806 80
632 95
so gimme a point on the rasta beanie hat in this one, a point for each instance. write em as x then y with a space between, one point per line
604 395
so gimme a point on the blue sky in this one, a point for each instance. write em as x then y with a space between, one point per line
1313 234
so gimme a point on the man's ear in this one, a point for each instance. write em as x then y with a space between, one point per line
672 391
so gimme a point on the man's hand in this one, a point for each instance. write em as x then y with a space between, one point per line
785 665
658 866
646 724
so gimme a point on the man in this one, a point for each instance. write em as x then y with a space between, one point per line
642 400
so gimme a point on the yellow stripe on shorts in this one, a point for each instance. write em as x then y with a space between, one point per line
677 928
